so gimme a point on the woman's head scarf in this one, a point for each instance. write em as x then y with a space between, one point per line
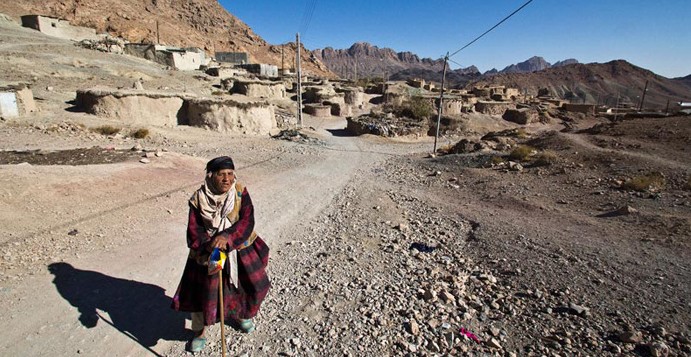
220 163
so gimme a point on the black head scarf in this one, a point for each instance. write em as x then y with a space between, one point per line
220 163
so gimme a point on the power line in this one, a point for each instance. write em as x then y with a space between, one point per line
307 16
492 28
460 65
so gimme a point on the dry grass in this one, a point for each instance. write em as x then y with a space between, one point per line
496 160
521 133
446 149
106 130
521 153
140 133
651 181
545 158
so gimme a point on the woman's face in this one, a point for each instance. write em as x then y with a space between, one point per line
223 180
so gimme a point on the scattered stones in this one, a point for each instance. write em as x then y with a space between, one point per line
578 309
631 337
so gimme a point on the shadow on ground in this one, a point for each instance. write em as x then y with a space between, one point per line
139 310
340 132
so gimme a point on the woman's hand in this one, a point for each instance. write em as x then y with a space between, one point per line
219 242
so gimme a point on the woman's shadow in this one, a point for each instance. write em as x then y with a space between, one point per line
139 310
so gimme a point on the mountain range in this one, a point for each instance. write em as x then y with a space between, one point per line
206 24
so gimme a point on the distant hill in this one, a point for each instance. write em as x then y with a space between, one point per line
372 61
685 80
597 83
185 23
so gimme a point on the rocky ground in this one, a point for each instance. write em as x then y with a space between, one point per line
577 245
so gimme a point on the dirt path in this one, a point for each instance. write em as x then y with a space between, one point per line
131 246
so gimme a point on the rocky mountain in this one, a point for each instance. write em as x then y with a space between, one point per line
371 61
597 83
185 23
454 78
533 64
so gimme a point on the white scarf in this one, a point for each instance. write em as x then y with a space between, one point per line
214 210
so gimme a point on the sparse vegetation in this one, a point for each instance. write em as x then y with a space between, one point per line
521 153
496 160
140 133
417 108
545 158
521 133
218 92
106 130
651 181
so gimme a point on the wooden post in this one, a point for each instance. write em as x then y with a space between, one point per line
158 34
441 103
220 303
640 107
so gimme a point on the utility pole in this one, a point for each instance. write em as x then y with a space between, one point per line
355 69
640 107
158 35
667 108
616 108
282 61
299 81
441 103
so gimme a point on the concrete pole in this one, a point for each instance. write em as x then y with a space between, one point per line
441 103
299 81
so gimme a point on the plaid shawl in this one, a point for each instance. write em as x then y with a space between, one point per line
198 291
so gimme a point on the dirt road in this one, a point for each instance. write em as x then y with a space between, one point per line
121 268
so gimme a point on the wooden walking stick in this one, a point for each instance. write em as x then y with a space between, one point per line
220 297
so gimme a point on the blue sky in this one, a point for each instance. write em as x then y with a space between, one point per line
655 35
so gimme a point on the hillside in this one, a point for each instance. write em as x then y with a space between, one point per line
597 83
186 23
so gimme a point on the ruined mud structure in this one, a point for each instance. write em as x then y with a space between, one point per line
16 100
172 109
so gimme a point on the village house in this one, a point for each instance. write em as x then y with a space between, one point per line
55 27
184 59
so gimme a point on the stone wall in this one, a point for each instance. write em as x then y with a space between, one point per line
257 118
521 116
318 110
259 89
493 108
152 108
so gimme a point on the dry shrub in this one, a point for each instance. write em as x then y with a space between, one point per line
496 160
446 149
106 130
521 153
521 133
545 158
651 181
140 133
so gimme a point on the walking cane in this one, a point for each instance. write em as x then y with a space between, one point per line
216 261
220 296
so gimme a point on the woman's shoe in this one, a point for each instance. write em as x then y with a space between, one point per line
197 344
247 325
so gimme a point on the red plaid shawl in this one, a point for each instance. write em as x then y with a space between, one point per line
198 291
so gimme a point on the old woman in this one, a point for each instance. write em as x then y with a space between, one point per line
221 216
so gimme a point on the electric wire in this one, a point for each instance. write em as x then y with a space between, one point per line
492 28
310 6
